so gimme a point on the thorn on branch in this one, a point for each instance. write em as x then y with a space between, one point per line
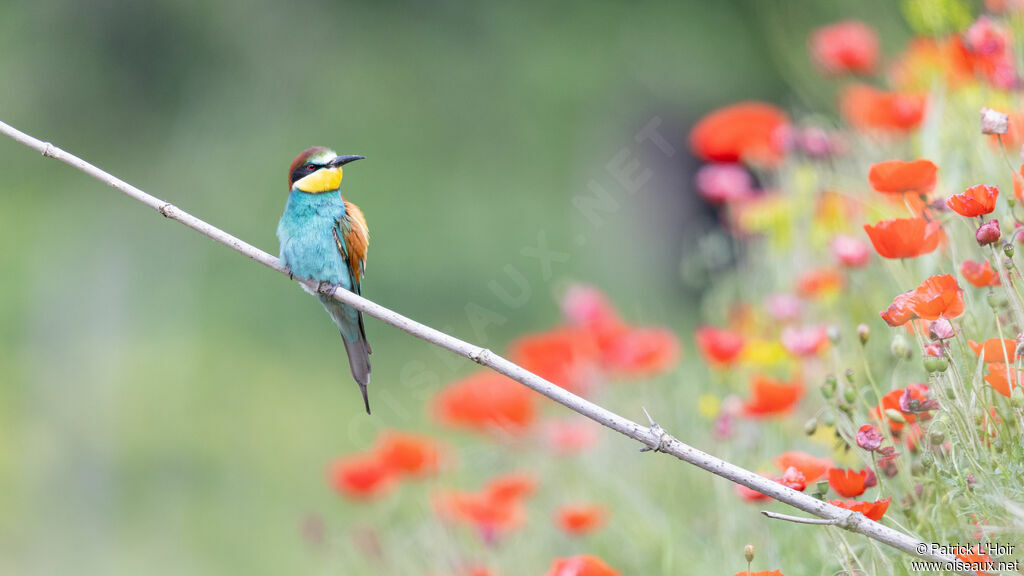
802 520
663 437
480 355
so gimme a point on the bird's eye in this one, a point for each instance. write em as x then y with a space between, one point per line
311 167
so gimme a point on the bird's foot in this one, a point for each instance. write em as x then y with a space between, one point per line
326 288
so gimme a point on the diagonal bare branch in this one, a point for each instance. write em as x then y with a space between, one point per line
654 437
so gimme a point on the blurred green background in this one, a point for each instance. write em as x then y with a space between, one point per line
167 406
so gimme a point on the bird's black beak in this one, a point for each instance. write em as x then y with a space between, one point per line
342 160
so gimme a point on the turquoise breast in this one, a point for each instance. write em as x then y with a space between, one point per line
307 240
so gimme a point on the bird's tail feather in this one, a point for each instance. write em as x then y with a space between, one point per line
353 334
359 361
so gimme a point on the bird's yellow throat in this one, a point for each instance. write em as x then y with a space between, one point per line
323 180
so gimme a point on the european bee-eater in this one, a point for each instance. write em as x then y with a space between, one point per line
324 238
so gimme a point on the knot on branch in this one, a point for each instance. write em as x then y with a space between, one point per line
49 150
851 520
664 438
480 355
166 209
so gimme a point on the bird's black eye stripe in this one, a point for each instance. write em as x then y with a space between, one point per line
304 170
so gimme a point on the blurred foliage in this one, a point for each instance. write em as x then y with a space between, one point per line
166 406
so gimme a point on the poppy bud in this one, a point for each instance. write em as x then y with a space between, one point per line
927 460
748 553
828 389
988 233
828 419
895 415
811 426
850 395
863 332
1008 250
833 333
1017 398
936 437
899 347
849 375
993 122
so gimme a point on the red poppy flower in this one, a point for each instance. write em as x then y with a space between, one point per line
996 350
900 311
904 237
979 274
804 340
719 347
975 555
898 177
850 251
847 483
868 109
849 46
496 509
744 131
891 401
580 519
873 510
819 282
410 454
794 479
484 401
510 487
582 565
361 476
975 201
490 517
810 466
750 495
938 296
769 397
988 233
587 307
999 378
641 352
572 436
869 437
566 357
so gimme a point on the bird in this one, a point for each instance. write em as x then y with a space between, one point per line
324 238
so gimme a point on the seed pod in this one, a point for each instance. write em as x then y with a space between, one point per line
748 553
935 364
995 299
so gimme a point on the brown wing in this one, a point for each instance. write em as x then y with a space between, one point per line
356 238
